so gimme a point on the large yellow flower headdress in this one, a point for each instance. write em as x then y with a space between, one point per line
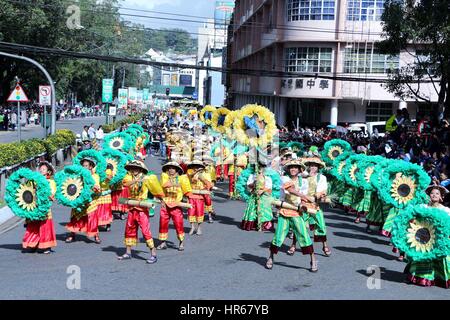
218 119
255 126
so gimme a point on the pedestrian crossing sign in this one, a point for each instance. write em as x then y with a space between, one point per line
18 95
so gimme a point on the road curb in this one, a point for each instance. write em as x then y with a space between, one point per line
5 215
8 220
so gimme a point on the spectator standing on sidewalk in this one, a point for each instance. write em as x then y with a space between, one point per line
91 132
100 135
84 133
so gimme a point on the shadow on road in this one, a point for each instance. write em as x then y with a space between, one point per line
120 251
14 246
361 237
228 221
367 251
262 261
388 275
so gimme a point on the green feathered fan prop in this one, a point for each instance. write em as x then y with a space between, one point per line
74 187
351 169
117 160
403 184
95 156
366 170
28 194
241 185
422 233
338 166
120 141
333 149
296 147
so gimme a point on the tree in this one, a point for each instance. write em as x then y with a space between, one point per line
422 25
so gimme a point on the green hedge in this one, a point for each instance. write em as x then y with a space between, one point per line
131 119
17 152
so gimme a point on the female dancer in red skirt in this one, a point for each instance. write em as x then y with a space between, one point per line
40 234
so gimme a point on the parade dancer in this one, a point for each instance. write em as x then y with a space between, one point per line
104 210
40 234
291 219
209 170
258 214
119 191
314 189
201 185
434 272
239 166
175 185
140 185
86 220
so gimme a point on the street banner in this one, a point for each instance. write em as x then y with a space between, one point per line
140 95
45 95
132 95
123 98
107 90
146 95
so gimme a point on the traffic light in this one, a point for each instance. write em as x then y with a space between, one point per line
167 91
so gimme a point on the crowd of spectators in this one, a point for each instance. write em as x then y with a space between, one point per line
425 142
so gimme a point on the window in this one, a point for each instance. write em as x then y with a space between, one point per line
378 111
368 61
310 10
308 59
365 10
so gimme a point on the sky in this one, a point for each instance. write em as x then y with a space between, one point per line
201 8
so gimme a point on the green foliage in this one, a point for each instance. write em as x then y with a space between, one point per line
15 153
43 23
408 25
128 120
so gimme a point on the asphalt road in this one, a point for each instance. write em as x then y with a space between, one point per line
224 263
33 131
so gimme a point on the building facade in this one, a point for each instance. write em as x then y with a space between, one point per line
335 39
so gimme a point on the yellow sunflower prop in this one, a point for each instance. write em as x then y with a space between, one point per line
206 114
228 124
218 119
255 126
422 233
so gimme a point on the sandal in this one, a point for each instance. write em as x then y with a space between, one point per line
291 251
70 239
358 220
162 246
314 267
97 240
269 264
327 251
152 260
48 251
181 247
126 256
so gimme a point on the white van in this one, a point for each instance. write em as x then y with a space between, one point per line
379 125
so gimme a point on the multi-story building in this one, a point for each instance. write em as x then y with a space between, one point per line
181 82
335 39
212 40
